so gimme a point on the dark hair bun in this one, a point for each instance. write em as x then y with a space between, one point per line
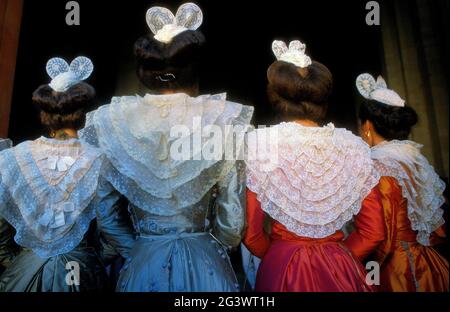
169 66
184 48
64 109
300 92
312 84
392 123
77 97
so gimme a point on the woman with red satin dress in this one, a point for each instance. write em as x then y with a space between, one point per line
400 233
309 179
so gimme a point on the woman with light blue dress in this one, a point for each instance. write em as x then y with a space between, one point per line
52 192
186 206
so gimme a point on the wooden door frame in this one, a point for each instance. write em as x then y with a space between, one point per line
10 21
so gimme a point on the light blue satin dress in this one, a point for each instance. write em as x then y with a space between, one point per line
187 214
54 196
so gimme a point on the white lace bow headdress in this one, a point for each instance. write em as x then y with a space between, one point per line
294 54
378 90
65 76
165 26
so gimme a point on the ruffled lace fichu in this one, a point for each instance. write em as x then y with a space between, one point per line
48 193
317 181
421 186
135 134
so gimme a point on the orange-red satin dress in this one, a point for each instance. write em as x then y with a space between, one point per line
299 264
384 234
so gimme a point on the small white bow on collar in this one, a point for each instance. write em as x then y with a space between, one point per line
54 216
60 163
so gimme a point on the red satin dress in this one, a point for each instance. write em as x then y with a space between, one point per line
299 264
384 233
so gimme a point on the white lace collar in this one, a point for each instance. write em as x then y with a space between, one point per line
317 182
55 158
135 134
46 187
420 184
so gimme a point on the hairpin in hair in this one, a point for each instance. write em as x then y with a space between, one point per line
295 54
65 76
165 26
168 77
378 90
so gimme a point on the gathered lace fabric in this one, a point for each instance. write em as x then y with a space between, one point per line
137 135
420 184
310 179
48 193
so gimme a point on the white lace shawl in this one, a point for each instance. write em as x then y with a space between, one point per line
134 133
318 180
48 191
421 186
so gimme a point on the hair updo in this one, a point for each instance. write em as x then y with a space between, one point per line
169 66
64 110
390 122
299 93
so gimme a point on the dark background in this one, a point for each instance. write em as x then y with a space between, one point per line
239 36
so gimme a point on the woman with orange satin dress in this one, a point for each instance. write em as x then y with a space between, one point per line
400 235
309 179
